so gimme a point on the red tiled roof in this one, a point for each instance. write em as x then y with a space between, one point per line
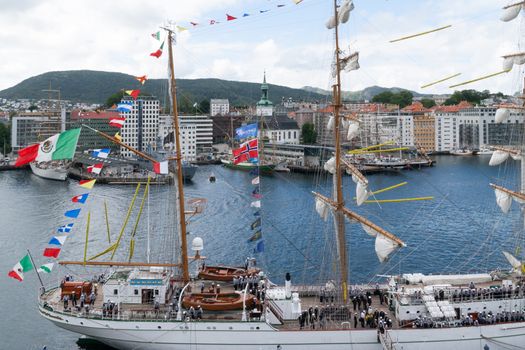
453 108
78 114
415 107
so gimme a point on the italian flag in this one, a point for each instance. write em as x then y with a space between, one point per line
59 146
22 266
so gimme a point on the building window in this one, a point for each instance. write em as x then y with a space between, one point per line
156 292
136 292
115 291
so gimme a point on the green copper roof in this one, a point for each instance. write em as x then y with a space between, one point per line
264 98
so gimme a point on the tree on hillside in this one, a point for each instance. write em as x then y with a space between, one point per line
32 108
204 106
401 98
428 102
471 96
308 134
5 138
114 99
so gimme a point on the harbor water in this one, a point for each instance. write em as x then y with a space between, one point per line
459 230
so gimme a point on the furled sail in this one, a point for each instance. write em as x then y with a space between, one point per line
344 11
321 208
353 130
330 125
361 193
384 247
343 14
350 63
502 114
330 165
504 200
510 13
515 263
498 157
515 59
369 230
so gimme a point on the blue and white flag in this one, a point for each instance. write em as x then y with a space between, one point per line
72 213
101 153
246 131
125 106
65 228
57 240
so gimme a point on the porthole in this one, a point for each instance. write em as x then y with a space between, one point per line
256 327
408 312
137 327
82 323
67 321
159 327
230 327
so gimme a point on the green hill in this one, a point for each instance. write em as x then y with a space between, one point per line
96 86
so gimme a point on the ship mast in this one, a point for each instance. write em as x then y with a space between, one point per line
178 158
339 219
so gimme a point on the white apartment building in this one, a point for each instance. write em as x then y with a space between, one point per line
475 128
380 128
219 106
188 137
204 130
142 124
405 125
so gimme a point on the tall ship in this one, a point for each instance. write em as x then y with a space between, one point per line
159 305
53 170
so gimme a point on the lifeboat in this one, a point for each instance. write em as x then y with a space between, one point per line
224 273
217 302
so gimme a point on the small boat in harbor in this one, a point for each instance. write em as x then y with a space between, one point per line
462 152
212 177
218 302
224 273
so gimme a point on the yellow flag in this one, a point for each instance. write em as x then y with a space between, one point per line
523 268
181 29
87 183
118 137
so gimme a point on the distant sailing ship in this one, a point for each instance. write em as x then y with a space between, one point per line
411 311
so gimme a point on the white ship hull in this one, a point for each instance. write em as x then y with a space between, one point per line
52 173
176 335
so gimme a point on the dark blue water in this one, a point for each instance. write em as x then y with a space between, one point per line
461 230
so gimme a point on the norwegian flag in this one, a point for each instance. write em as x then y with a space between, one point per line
95 168
247 151
117 122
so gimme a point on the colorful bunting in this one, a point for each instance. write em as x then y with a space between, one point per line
156 35
263 11
254 171
65 228
125 106
117 122
81 198
247 151
101 153
256 236
142 79
194 24
22 266
230 18
181 29
255 204
52 252
257 213
46 268
117 136
72 213
134 93
157 53
161 167
212 21
95 168
256 223
281 5
57 240
256 181
245 14
87 183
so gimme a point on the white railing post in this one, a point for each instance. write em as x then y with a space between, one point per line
179 304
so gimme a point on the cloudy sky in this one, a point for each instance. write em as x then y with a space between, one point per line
291 43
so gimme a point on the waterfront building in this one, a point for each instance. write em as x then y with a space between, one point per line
280 129
204 130
219 107
303 116
424 132
28 128
264 106
188 137
97 120
141 127
466 126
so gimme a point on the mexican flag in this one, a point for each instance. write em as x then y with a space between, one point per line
59 146
22 266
